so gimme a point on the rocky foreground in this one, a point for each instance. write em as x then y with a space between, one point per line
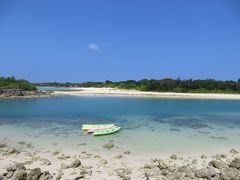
27 163
20 94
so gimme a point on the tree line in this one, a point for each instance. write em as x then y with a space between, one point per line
12 83
163 85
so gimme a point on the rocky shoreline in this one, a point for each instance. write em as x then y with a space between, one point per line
27 163
20 94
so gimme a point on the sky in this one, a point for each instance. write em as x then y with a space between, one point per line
98 40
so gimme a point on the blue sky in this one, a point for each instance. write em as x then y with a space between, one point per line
97 40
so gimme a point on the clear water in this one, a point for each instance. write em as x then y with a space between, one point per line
149 125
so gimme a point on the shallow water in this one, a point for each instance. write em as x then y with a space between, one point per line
149 125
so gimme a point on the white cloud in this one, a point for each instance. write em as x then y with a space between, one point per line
93 46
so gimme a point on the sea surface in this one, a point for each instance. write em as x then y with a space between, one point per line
149 125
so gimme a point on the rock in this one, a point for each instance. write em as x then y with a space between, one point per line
45 176
34 174
176 176
223 156
83 171
203 157
108 146
75 163
45 162
229 174
54 153
235 163
149 166
64 166
9 174
19 174
234 151
2 145
162 164
97 156
194 161
216 164
127 152
78 177
205 173
12 151
173 156
123 174
118 156
63 157
187 170
16 166
1 178
102 161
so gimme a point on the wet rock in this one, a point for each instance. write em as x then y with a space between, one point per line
173 156
19 174
34 174
83 171
97 156
235 163
149 166
176 176
45 176
127 152
230 174
2 145
216 164
108 146
187 170
234 151
75 163
205 173
12 151
123 174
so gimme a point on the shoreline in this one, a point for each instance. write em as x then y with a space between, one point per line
57 164
135 93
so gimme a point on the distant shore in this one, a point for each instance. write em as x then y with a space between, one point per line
135 93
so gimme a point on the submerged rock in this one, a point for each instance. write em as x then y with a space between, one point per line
2 145
108 146
234 151
173 156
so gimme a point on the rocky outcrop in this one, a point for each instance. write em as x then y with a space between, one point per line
20 94
19 172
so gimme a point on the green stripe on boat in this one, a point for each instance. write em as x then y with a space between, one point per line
107 131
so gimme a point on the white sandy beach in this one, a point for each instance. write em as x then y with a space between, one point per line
135 93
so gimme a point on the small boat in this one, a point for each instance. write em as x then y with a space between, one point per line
96 126
107 131
98 129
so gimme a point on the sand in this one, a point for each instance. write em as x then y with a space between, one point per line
135 93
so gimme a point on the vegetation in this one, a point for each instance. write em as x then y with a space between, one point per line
12 83
164 85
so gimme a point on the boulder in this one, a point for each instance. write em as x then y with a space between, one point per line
234 151
2 145
45 176
34 174
173 156
19 174
235 163
16 166
162 164
205 173
230 174
216 164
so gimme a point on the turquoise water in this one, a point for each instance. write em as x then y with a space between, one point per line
156 126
